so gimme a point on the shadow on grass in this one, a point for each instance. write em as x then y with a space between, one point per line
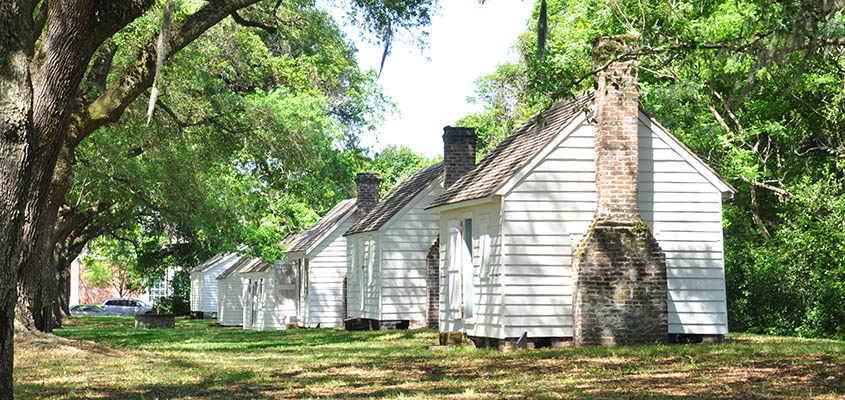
332 363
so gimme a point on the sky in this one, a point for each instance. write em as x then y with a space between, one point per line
430 87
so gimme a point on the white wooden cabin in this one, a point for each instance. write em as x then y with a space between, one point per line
270 295
231 289
204 294
386 252
319 256
507 229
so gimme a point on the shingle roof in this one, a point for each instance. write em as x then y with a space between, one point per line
307 239
236 267
513 152
211 261
255 265
398 198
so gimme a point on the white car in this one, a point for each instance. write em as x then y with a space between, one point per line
87 309
125 306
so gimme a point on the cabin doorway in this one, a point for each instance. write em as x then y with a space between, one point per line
303 287
255 294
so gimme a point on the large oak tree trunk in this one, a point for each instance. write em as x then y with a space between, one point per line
38 282
74 30
16 136
60 62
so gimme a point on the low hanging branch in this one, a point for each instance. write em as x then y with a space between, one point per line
252 24
161 55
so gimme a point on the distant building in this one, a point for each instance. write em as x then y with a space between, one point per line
83 292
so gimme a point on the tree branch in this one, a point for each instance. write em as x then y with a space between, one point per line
241 21
139 75
755 213
766 186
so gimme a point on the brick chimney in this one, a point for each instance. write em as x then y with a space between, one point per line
617 105
368 192
619 270
458 153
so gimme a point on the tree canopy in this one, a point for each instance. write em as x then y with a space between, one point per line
250 149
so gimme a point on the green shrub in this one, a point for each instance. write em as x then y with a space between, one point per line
176 305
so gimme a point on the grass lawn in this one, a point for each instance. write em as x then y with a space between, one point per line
110 359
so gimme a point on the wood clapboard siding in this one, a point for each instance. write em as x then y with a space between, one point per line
209 290
406 241
684 211
207 284
230 310
327 263
553 202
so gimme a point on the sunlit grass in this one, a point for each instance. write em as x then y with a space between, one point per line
110 359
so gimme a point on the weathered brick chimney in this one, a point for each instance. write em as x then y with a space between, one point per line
368 192
619 293
458 153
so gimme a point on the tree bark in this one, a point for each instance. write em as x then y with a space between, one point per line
16 137
74 230
38 285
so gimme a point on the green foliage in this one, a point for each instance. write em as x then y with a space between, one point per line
176 305
755 89
111 264
394 164
792 283
179 300
255 134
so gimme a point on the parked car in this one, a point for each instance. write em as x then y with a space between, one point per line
87 309
125 306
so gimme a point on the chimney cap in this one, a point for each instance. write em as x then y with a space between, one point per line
367 177
458 131
606 48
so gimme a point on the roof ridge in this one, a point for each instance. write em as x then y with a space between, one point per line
324 225
512 153
234 268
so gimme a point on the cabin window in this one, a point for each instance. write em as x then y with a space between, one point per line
365 266
466 268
